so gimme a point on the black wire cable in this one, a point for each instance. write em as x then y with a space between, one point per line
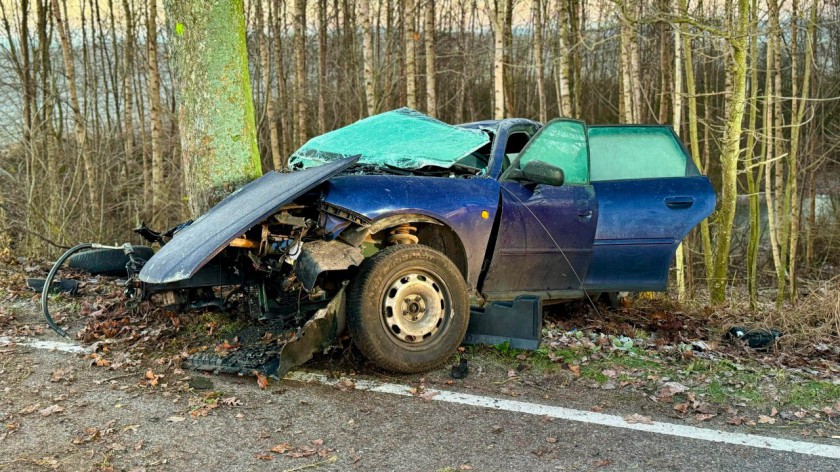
48 284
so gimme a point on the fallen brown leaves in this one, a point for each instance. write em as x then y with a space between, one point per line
151 379
51 410
262 380
225 347
62 375
636 418
316 447
423 394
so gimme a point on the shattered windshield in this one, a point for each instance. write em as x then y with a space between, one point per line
403 138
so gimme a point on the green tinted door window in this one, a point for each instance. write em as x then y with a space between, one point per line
637 152
562 143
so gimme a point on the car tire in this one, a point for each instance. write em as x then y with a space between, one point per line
106 261
408 308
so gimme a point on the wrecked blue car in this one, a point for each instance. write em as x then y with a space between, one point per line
417 235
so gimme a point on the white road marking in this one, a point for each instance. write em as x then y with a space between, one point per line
70 348
582 416
670 429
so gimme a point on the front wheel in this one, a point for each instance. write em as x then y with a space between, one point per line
408 308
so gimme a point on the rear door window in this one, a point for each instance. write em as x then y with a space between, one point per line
637 152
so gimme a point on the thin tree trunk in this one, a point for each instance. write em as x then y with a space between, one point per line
677 121
777 231
286 136
538 58
322 66
79 126
410 7
159 193
300 70
265 62
564 96
665 60
753 181
127 73
793 176
694 140
431 57
625 38
367 57
731 151
498 21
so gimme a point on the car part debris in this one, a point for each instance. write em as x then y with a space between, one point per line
518 322
319 256
201 383
107 261
68 286
760 339
127 248
276 350
460 370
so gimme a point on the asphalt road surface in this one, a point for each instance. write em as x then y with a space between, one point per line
110 420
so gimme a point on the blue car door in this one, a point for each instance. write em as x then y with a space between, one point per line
650 195
544 239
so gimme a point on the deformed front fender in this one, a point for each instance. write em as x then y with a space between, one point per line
320 256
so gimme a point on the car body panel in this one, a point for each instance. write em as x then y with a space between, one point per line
641 224
195 245
455 202
544 241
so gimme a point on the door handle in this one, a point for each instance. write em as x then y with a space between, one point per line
679 203
584 215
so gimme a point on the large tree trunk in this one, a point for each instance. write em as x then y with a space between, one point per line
218 131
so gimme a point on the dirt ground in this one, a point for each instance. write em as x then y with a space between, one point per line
130 405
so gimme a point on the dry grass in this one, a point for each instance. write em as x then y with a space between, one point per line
814 319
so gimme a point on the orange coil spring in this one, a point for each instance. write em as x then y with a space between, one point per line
402 234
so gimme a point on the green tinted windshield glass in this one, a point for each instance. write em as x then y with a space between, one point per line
561 143
402 138
636 152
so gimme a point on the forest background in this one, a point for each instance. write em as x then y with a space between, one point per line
89 122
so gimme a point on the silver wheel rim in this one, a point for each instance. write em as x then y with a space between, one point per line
415 307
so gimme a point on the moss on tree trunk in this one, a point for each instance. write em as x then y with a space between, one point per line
213 89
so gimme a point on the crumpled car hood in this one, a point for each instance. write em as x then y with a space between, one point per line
194 246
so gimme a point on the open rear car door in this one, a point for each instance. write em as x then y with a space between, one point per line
650 195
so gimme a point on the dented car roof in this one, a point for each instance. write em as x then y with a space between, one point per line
403 138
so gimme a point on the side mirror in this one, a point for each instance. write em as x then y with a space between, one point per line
540 172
